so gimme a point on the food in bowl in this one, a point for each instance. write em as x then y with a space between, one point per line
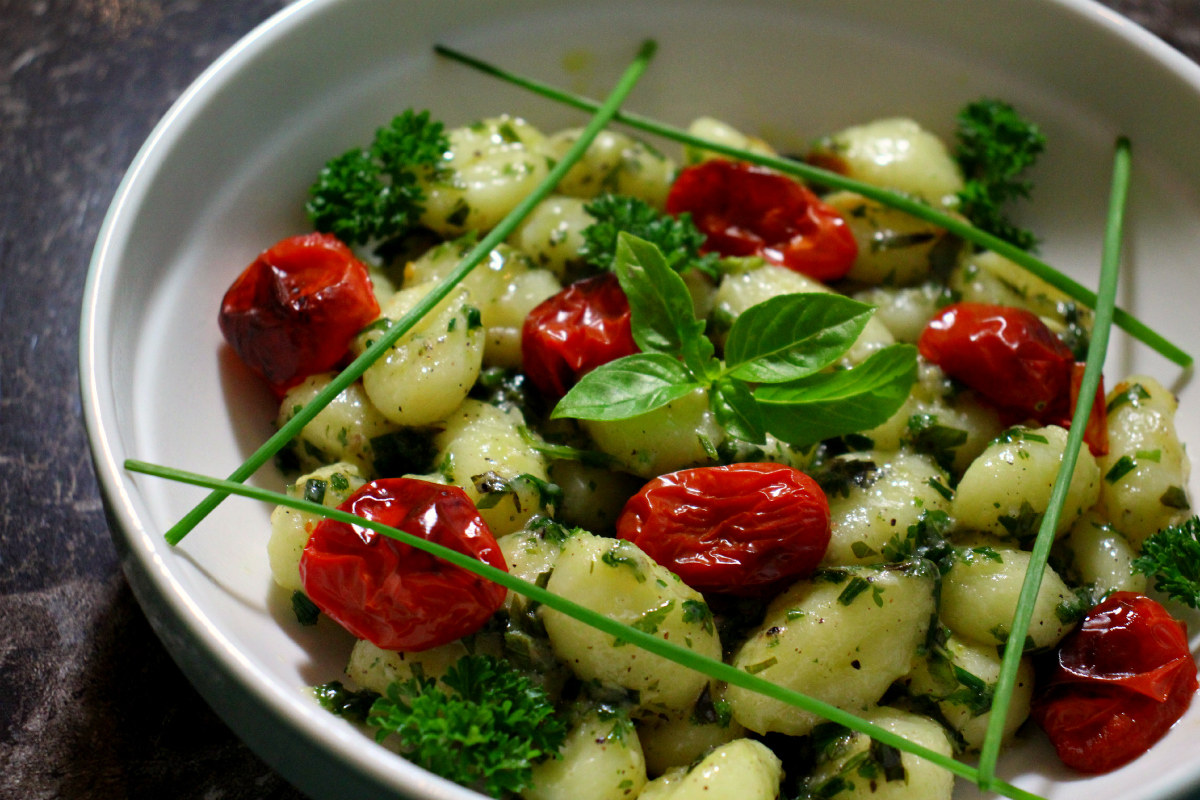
838 502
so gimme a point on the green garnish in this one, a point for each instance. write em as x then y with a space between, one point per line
1175 497
314 490
495 488
925 435
1172 558
1134 396
488 730
306 610
1123 466
337 699
676 237
372 194
779 346
697 612
995 147
649 622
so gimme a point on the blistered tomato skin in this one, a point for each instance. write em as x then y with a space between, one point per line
584 326
390 594
743 529
293 312
1122 680
746 210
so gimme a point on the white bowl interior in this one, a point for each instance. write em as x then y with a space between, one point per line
227 173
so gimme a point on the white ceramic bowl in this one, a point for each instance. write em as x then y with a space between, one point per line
225 174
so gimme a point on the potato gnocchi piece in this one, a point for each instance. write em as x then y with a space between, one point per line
593 497
894 248
683 433
601 759
922 425
714 130
850 758
290 528
552 234
842 636
376 669
430 370
905 312
1006 490
491 166
960 677
614 164
673 741
988 277
895 153
1146 469
342 431
740 770
505 288
979 598
1101 557
880 503
617 579
741 290
480 443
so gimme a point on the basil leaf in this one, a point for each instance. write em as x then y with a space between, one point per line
793 336
627 387
833 404
664 320
736 411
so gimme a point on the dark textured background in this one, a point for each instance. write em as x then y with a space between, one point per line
91 706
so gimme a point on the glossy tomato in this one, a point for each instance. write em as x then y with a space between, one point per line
392 595
1121 681
745 210
293 312
582 327
744 529
1014 361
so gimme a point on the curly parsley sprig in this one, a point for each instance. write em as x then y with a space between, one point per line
676 237
995 147
372 194
487 731
1172 558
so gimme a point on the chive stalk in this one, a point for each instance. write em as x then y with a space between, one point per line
648 642
603 114
1097 350
956 225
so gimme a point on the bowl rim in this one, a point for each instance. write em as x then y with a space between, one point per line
153 584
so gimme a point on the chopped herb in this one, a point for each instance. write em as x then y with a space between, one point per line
613 558
1019 434
306 610
710 712
339 482
1024 526
508 389
837 477
853 589
474 317
1120 469
562 452
314 490
754 669
337 699
495 488
649 621
1134 396
926 436
698 612
1175 497
862 550
937 486
1149 455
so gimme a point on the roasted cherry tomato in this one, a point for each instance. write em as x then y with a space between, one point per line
582 327
1014 361
293 312
744 529
1121 681
746 210
392 595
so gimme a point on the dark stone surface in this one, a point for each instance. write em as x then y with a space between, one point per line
91 706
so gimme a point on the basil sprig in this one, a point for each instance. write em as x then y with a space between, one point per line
775 376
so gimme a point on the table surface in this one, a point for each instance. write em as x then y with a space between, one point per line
91 705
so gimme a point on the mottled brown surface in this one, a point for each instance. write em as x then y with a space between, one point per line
91 706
